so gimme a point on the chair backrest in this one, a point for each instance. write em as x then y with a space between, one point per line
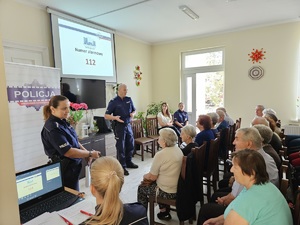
231 136
183 168
283 180
213 156
224 139
199 153
238 123
151 126
137 128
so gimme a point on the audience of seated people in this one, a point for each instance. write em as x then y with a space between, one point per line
259 110
180 117
260 202
214 120
222 123
275 140
245 138
292 143
273 122
227 117
269 111
266 134
107 178
164 118
188 134
164 173
205 134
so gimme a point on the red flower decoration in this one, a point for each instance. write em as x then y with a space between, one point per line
257 55
137 75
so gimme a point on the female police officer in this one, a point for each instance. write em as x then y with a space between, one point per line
60 141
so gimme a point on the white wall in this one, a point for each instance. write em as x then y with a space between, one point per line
277 89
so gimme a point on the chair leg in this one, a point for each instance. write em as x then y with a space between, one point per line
151 209
142 152
153 149
208 195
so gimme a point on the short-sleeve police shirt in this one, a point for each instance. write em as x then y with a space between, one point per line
121 107
58 137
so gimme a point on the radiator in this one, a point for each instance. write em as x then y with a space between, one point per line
291 130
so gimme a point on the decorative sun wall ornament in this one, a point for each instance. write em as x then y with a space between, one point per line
137 75
256 56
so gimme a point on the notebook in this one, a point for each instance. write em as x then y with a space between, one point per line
41 190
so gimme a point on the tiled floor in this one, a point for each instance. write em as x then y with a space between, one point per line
129 190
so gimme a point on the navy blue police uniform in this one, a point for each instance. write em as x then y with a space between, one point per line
58 137
123 131
181 117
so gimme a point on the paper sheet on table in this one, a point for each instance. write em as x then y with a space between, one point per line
47 219
73 213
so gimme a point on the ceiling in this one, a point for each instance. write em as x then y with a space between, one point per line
159 21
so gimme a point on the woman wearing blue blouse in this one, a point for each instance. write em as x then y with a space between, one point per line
206 134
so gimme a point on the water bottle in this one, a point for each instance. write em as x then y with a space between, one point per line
87 176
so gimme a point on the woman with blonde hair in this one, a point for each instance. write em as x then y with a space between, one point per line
107 178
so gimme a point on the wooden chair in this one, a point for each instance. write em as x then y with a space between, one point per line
152 132
283 156
283 180
238 123
170 202
231 137
230 145
199 154
223 148
139 138
211 173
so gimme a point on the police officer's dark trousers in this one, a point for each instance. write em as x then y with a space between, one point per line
125 143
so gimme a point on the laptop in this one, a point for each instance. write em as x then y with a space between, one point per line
41 190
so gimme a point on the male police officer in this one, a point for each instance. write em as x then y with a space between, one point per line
122 110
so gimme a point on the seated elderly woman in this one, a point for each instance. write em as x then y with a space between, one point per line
260 202
273 122
107 178
164 173
188 133
214 120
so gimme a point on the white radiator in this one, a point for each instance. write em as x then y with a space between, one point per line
291 130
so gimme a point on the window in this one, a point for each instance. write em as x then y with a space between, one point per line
202 81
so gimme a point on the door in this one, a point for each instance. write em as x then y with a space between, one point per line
202 80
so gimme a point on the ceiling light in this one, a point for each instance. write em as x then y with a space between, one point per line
189 12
